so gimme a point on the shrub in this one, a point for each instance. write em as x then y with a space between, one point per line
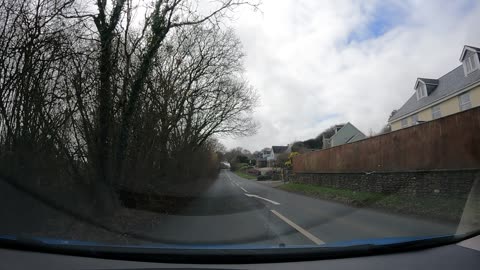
253 172
276 176
264 177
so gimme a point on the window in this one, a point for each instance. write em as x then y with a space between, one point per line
404 122
470 64
436 112
421 91
414 119
464 100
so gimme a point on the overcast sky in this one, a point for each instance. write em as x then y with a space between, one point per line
318 63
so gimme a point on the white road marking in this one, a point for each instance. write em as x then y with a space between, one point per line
261 198
235 183
228 177
310 236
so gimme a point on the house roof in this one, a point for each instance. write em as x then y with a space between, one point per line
279 149
289 148
426 81
448 84
329 134
355 136
354 127
468 48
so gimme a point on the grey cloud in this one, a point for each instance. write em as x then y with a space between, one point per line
305 71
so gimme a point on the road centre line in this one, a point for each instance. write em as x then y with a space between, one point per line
228 176
261 198
236 183
252 195
305 233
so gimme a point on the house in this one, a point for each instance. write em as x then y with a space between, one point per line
263 157
266 153
261 163
345 133
456 91
274 154
326 143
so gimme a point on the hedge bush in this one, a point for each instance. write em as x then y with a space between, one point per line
264 177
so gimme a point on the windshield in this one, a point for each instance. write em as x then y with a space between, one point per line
193 124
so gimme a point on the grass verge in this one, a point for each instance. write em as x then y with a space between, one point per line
448 209
245 175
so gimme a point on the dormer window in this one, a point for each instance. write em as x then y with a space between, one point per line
469 59
424 87
421 90
470 64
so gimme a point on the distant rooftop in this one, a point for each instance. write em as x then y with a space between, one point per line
279 149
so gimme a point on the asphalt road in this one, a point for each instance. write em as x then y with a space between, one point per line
235 210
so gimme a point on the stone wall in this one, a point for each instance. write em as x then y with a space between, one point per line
442 183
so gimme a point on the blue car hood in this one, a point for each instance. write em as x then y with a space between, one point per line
372 241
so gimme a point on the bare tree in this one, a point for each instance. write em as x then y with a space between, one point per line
113 131
193 94
99 90
34 51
